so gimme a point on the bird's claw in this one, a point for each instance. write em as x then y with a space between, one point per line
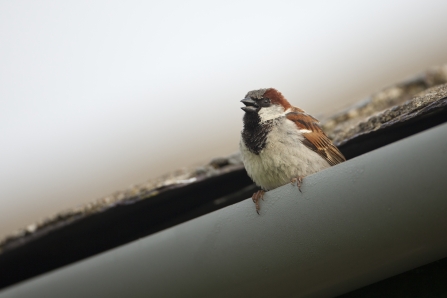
297 181
256 196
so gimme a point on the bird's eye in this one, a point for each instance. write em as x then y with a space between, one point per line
266 100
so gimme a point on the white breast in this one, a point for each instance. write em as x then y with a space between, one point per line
283 158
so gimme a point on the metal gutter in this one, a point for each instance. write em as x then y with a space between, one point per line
367 219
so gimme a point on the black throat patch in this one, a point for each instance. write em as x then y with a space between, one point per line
255 133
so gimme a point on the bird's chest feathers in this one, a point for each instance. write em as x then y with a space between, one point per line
271 135
279 160
255 136
257 127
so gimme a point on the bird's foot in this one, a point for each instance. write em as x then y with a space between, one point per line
297 181
256 197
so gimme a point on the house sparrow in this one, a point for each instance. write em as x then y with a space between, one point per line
281 143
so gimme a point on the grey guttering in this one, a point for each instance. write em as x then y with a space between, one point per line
369 218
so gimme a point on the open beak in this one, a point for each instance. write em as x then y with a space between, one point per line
250 105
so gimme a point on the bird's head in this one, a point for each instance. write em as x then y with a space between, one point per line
267 104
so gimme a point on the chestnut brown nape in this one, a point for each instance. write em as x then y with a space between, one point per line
277 98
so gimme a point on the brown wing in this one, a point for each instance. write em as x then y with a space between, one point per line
314 137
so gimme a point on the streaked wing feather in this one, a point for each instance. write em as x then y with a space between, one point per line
316 139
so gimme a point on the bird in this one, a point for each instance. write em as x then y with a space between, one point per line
281 143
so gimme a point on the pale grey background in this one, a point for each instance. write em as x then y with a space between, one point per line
98 95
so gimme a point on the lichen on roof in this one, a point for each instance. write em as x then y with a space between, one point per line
132 194
386 104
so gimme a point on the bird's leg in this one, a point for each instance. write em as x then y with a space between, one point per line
297 181
256 197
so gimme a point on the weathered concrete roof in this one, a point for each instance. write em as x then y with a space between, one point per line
388 105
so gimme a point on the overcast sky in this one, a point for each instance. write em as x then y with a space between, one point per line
98 95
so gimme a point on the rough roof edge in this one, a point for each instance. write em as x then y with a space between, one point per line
344 125
131 195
